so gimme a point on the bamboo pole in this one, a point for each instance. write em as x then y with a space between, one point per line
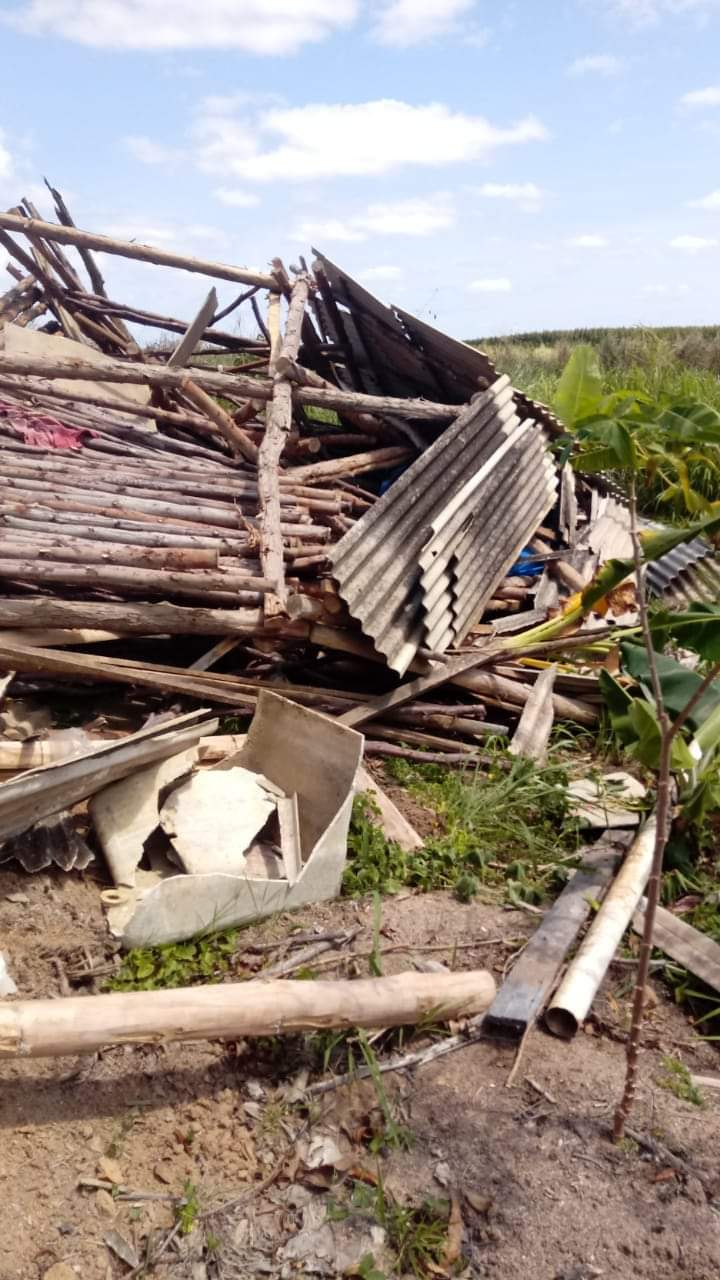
278 423
84 1024
139 252
225 384
572 1000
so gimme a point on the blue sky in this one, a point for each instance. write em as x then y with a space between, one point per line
493 167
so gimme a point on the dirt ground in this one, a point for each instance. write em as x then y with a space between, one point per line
539 1189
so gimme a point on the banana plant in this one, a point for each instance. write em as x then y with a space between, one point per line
627 434
629 430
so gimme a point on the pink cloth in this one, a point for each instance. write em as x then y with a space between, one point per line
43 431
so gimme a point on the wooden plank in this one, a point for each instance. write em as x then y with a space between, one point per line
695 950
520 999
194 332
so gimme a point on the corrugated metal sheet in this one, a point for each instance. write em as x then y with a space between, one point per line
420 565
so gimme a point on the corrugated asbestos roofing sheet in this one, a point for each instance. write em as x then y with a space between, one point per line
384 350
419 567
688 572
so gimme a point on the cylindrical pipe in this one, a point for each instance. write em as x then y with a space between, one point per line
573 998
84 1024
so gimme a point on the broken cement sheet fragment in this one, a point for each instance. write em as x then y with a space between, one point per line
7 986
30 753
605 802
126 813
20 720
50 789
289 822
302 753
334 1248
213 817
51 841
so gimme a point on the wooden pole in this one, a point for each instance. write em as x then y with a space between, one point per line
239 440
232 384
128 618
84 1024
87 552
160 582
278 422
139 252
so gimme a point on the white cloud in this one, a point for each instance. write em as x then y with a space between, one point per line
380 273
710 201
589 242
666 290
709 97
236 199
600 64
149 152
415 217
6 160
500 284
343 139
692 244
407 22
263 27
525 194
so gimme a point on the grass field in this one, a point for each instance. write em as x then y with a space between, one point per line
668 364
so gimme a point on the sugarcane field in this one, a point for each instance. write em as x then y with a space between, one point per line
359 676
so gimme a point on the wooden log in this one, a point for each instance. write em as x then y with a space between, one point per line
231 1011
150 319
31 387
373 460
225 384
239 440
88 553
278 423
128 618
160 582
128 249
35 661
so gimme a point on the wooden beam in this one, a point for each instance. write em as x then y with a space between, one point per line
128 249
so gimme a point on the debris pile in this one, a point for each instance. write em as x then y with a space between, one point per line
345 498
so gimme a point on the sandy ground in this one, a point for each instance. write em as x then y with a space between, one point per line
541 1190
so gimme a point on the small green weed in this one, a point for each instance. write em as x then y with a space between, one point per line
176 964
678 1080
187 1210
505 827
394 1134
416 1234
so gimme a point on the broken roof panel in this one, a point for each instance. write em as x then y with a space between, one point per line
423 561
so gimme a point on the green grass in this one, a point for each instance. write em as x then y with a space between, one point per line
506 827
667 364
678 1080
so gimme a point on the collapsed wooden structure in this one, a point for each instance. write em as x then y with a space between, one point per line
349 478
